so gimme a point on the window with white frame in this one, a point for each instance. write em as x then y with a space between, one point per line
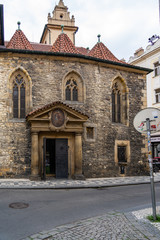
156 69
157 95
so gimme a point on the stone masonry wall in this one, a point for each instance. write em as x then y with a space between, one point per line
47 73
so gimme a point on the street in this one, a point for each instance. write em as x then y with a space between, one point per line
51 208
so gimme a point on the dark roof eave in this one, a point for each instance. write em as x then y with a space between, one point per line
43 32
148 70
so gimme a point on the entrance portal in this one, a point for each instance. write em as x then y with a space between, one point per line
55 158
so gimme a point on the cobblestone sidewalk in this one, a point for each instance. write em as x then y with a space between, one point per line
69 183
112 226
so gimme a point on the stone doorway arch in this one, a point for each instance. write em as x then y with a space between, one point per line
56 121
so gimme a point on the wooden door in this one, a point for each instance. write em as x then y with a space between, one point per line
61 156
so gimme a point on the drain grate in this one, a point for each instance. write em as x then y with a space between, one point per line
19 205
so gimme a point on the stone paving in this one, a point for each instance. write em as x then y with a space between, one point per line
63 183
111 226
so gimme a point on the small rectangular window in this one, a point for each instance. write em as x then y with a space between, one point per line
156 69
122 154
157 95
90 132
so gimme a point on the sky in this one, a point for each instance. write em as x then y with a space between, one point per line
124 25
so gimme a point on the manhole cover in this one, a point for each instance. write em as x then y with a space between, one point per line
18 205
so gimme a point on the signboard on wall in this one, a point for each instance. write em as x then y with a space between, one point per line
155 139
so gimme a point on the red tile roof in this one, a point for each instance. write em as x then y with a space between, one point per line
63 44
48 106
41 47
102 52
19 41
82 50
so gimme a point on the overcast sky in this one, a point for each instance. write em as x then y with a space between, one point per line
124 25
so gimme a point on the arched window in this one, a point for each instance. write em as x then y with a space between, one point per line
71 90
20 95
119 102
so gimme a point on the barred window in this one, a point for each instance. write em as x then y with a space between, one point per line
90 132
122 154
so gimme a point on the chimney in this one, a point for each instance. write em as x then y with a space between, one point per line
1 26
139 52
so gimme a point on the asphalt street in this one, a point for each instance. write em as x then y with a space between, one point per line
51 208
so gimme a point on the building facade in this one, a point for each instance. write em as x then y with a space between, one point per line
67 112
150 58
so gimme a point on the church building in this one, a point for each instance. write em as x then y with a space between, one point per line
67 111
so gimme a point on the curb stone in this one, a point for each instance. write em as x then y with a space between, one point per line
73 184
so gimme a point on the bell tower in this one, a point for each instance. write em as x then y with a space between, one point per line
60 16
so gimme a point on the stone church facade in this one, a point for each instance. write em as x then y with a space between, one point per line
66 111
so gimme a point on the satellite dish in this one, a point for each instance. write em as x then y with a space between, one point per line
154 116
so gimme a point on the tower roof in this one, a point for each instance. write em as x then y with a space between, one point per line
102 52
64 44
19 41
61 4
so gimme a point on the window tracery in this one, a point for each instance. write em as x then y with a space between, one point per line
119 102
18 97
71 90
20 94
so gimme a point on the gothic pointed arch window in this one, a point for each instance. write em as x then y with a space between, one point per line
18 97
73 88
119 102
20 90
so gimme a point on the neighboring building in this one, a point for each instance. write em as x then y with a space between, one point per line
150 58
66 111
